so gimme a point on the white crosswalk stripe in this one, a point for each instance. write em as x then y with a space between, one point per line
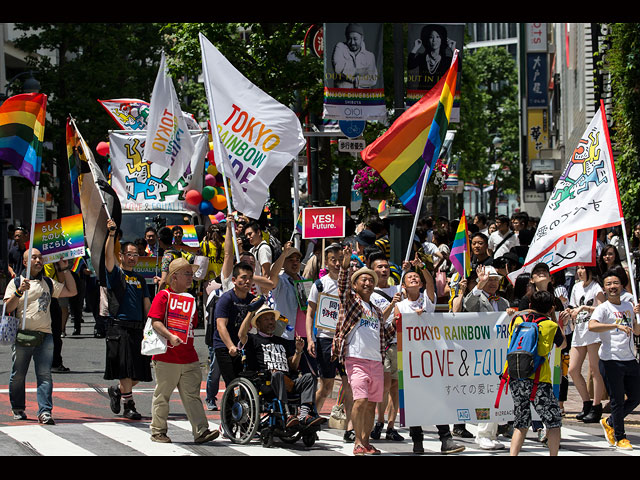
114 437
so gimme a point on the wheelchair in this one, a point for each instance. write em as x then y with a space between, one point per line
250 407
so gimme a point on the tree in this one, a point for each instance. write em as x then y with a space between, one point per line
489 109
94 61
624 64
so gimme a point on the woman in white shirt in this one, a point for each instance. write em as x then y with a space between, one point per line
586 295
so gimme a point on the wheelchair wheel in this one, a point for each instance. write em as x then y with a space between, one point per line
240 411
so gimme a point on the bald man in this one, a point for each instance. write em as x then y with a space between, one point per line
38 327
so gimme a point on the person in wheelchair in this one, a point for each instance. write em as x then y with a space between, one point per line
266 352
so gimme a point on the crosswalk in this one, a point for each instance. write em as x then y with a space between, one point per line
105 438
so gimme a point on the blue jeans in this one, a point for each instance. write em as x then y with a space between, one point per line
622 379
21 358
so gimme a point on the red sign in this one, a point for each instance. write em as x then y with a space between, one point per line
318 42
323 222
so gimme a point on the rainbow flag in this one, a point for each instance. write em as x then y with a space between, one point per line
299 222
22 120
460 255
404 155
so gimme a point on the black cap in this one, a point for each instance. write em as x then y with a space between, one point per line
366 238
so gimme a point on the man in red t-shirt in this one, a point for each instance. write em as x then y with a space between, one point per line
174 317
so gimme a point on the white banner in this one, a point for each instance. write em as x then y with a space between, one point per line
585 198
142 185
255 136
449 366
168 142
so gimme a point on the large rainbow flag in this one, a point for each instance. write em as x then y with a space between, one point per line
405 154
460 254
22 120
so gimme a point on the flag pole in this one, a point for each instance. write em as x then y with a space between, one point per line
216 136
84 144
415 218
31 235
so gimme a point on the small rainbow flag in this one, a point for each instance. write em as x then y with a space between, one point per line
460 255
22 119
299 222
404 155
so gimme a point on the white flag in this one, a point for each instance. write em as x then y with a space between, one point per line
255 135
168 142
585 199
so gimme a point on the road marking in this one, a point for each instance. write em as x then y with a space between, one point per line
138 439
44 442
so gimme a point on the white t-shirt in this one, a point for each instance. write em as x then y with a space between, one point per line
616 345
262 252
584 296
496 238
329 286
363 341
382 303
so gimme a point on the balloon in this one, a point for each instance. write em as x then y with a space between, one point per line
219 202
193 197
212 169
210 180
103 148
219 190
210 156
220 216
208 193
206 208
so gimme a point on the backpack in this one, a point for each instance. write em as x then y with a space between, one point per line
522 353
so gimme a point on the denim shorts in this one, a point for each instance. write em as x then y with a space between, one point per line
545 404
326 367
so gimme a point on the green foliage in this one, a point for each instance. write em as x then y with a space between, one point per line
624 64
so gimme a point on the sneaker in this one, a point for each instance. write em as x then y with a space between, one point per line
45 418
542 435
624 444
393 435
608 432
462 432
349 436
160 438
207 436
376 433
488 444
371 450
449 446
130 411
212 406
292 421
359 451
60 369
311 421
114 399
506 430
19 415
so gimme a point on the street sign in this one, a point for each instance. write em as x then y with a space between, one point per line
351 145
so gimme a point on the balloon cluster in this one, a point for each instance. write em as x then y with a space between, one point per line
212 199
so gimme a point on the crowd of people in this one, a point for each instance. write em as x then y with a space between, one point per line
260 296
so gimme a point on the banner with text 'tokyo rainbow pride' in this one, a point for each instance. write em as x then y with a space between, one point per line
60 239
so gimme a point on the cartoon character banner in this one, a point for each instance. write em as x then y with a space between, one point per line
353 80
586 198
145 186
431 48
128 113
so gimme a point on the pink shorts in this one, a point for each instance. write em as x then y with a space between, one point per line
366 378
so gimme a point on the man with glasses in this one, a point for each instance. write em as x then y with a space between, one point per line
124 361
